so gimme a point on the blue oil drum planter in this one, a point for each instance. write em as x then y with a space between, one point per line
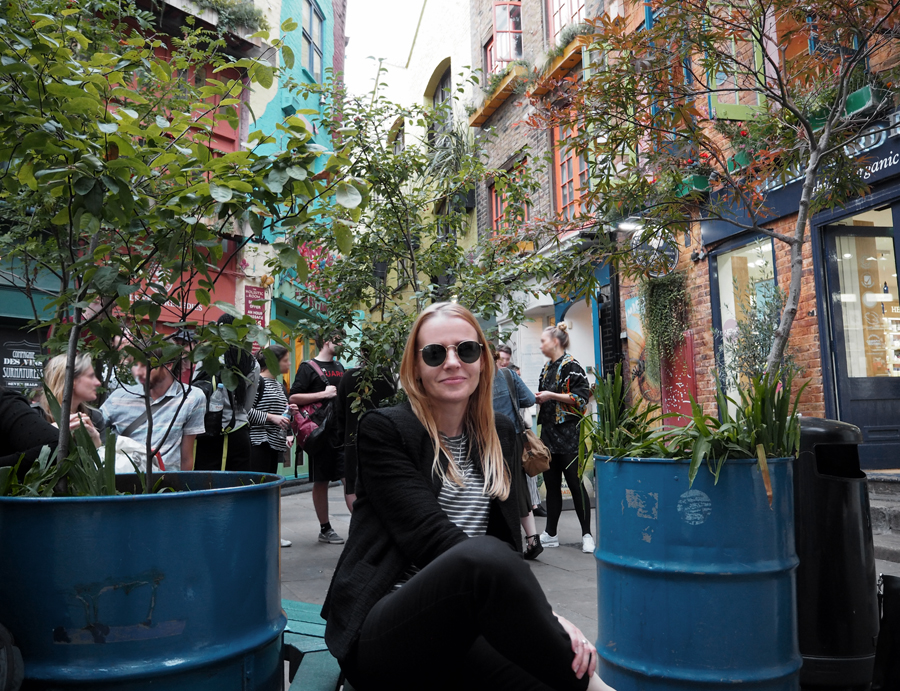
696 585
176 591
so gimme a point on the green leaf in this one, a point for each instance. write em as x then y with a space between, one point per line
347 195
61 218
108 127
265 75
287 55
228 308
161 122
220 193
288 25
83 185
297 172
343 236
302 269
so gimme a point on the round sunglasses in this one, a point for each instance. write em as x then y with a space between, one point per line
434 354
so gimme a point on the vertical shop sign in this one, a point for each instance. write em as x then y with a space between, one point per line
258 312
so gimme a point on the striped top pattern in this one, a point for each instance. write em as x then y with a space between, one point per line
467 507
272 400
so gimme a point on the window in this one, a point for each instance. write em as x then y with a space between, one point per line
572 178
311 48
506 43
562 13
745 279
442 103
500 203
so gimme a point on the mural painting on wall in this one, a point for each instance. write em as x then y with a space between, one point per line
643 383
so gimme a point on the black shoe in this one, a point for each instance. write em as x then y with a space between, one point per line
540 511
534 547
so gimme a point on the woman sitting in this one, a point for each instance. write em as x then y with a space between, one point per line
431 590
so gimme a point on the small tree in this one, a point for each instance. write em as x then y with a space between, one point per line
114 187
784 69
416 243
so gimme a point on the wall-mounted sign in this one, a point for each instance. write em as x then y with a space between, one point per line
21 369
258 312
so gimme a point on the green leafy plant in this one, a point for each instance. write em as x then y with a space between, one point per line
665 312
619 428
236 13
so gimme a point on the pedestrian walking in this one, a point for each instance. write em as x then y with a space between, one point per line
431 590
316 382
563 393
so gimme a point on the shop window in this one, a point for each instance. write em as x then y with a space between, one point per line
505 45
745 282
311 50
572 178
870 306
561 14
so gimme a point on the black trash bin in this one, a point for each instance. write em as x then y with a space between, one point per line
837 606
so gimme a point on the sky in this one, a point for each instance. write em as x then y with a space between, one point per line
377 29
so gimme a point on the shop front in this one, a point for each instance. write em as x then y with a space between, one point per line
851 295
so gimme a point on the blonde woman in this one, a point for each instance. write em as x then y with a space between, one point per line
84 390
431 590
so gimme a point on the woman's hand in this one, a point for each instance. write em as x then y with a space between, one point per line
543 397
76 420
585 661
289 441
278 420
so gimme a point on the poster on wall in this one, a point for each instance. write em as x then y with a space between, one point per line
643 383
21 370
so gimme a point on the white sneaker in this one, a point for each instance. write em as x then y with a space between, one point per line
587 544
286 543
549 540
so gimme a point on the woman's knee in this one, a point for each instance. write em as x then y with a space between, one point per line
485 554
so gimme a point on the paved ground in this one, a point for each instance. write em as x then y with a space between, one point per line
568 576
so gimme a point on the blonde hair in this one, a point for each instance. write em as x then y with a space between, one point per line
479 421
560 332
55 378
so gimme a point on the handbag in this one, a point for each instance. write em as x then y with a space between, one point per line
303 424
535 454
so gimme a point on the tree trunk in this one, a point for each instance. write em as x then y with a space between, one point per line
65 405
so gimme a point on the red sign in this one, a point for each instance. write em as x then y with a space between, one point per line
258 312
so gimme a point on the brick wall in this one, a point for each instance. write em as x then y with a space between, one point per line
339 8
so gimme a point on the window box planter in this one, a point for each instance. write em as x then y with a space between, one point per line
503 91
695 586
693 183
865 100
739 161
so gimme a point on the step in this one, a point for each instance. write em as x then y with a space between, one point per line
887 547
884 483
885 512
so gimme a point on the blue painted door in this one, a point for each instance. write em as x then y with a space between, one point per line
861 266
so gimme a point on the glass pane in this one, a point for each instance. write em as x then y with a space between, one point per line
304 52
746 287
317 66
308 13
503 51
516 46
871 312
501 18
317 30
515 17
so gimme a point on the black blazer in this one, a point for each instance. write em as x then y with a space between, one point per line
397 521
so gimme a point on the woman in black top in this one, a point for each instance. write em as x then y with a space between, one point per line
431 590
563 393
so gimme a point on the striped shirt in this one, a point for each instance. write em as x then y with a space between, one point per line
272 400
467 506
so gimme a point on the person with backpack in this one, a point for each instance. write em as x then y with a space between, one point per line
316 384
226 446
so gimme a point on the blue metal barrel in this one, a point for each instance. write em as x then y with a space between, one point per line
176 591
696 586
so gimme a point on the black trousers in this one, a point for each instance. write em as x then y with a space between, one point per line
265 459
475 618
209 451
565 464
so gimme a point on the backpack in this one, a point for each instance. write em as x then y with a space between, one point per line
212 420
309 435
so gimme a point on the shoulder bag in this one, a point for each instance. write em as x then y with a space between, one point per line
304 427
535 454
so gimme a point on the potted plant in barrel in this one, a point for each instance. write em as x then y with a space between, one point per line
696 569
113 191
